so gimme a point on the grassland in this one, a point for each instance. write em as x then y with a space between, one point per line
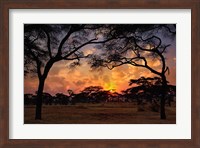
109 113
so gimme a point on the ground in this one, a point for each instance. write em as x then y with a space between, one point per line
108 113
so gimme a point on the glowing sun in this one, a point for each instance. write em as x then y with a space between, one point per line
111 86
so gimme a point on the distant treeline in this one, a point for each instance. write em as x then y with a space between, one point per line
96 94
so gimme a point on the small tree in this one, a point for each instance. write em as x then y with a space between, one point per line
62 99
92 93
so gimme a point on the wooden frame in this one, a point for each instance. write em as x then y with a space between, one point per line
5 5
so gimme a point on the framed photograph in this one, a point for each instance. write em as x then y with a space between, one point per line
108 74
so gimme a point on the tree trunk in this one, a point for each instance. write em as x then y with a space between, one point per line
38 110
162 101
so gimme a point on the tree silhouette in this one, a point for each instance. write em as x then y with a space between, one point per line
47 99
45 45
61 99
29 99
95 94
151 89
136 45
147 88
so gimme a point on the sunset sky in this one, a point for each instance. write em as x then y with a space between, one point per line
61 77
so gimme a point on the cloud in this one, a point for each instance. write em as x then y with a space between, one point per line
95 77
89 51
79 83
106 78
156 63
30 85
61 78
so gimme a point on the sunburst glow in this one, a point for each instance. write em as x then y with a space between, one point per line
111 86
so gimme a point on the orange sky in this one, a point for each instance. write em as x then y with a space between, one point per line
61 78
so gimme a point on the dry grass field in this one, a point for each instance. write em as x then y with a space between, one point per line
109 113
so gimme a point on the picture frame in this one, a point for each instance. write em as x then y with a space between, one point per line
194 5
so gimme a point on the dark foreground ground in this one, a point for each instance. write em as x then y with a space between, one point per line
109 113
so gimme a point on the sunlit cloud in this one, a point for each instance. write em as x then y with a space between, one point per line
88 51
61 78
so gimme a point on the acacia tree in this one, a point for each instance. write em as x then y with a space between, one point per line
45 45
149 86
95 94
136 45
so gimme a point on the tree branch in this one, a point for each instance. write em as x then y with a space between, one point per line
63 41
102 41
131 62
164 48
86 43
39 68
75 58
38 63
48 42
163 60
148 67
72 30
36 38
150 50
77 48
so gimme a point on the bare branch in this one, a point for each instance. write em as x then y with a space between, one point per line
77 48
48 42
167 70
150 50
71 30
102 41
164 48
131 62
36 38
38 63
75 58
